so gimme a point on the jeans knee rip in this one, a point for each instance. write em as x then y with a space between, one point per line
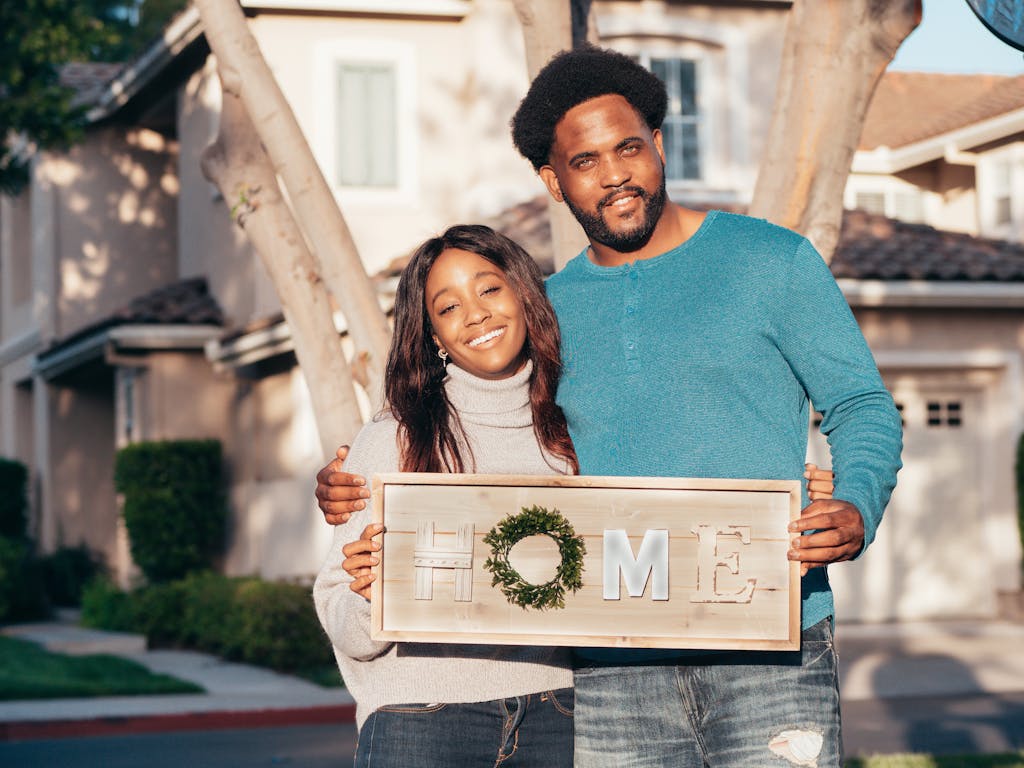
799 747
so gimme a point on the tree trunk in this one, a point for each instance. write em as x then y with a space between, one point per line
548 29
237 163
833 56
245 73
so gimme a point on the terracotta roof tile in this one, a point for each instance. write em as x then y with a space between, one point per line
873 247
87 78
912 106
186 302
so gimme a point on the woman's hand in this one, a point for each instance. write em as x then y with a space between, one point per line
819 482
360 557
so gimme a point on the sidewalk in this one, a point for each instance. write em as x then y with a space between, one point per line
877 662
237 695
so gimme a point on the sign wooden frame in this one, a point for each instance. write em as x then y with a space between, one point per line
714 576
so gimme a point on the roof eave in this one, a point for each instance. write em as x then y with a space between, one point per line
178 35
959 294
894 160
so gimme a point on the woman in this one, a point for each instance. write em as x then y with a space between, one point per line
470 387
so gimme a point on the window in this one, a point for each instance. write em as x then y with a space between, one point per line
680 132
680 129
366 150
903 204
944 414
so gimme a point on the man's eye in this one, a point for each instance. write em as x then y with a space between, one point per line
583 165
632 149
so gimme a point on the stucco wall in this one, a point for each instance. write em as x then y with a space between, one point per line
80 492
115 220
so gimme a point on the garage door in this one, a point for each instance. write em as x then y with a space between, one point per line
927 560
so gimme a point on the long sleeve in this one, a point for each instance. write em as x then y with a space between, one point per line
819 337
345 616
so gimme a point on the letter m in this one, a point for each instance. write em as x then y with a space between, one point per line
652 561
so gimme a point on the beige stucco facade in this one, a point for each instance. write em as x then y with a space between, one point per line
128 211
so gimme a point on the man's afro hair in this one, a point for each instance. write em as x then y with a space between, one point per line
569 79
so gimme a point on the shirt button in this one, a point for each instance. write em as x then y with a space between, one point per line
630 310
631 345
634 275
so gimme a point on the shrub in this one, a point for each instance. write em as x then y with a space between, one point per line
270 624
104 606
67 571
279 626
22 596
13 501
210 615
174 505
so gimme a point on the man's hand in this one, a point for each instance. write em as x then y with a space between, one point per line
360 557
839 534
338 493
819 482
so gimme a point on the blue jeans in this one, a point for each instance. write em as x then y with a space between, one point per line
532 731
731 709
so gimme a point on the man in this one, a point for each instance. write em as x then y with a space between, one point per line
691 343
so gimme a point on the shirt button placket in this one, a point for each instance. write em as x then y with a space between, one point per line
630 324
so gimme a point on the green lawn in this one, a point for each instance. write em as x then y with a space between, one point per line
947 761
29 672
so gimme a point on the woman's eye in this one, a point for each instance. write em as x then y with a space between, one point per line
492 289
447 309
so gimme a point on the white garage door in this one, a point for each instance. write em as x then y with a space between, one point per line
927 560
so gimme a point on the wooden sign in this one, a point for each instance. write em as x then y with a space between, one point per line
668 563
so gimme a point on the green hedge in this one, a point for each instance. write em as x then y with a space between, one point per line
13 501
271 624
22 594
174 506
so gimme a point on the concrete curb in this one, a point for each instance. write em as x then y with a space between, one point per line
187 721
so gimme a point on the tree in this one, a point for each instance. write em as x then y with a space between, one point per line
547 29
833 57
237 163
37 37
334 257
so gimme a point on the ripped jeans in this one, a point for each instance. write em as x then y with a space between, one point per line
531 731
750 709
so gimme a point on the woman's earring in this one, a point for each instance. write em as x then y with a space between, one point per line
442 354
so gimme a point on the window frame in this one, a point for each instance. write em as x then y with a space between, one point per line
330 55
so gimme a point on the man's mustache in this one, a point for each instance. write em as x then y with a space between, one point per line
607 199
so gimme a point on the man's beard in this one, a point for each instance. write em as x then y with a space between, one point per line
628 241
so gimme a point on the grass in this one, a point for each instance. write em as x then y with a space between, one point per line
938 761
29 672
326 676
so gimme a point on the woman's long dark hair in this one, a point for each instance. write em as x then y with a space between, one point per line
429 428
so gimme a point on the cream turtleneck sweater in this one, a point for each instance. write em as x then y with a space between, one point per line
498 423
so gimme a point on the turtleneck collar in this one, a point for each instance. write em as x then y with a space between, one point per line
490 402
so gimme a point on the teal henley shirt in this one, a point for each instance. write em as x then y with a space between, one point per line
700 362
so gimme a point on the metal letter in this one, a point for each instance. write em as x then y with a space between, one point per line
652 559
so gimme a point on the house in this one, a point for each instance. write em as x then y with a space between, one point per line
132 308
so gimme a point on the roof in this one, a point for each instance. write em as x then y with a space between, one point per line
185 302
873 247
88 78
909 107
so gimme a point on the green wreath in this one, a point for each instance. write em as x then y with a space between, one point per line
531 522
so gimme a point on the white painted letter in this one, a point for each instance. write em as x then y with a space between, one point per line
653 558
708 562
426 557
